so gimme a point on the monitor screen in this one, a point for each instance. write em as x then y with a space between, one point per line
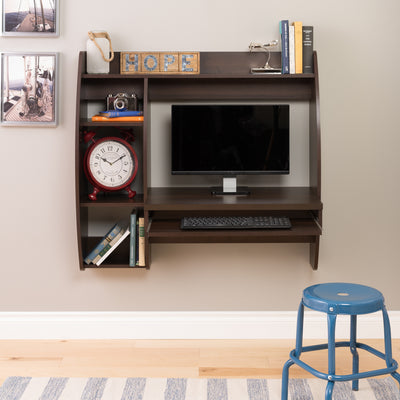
230 139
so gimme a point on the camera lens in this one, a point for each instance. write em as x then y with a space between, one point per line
120 104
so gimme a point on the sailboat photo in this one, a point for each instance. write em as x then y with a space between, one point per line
30 17
29 89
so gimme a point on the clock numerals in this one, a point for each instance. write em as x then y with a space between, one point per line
112 164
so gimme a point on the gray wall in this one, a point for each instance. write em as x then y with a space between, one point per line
357 44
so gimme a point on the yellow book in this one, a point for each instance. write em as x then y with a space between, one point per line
141 239
298 46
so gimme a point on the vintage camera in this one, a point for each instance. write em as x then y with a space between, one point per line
122 102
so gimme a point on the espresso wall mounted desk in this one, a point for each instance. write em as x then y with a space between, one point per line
224 76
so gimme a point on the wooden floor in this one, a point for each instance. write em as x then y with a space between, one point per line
167 358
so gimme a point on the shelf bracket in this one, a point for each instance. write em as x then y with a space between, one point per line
314 254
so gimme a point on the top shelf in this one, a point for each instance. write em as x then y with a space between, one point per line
223 76
200 76
221 65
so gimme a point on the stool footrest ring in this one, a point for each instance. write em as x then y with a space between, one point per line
349 377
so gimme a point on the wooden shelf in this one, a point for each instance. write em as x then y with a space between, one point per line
260 198
166 207
105 200
168 231
88 122
118 259
224 76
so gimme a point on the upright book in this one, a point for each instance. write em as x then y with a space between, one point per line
133 239
141 262
284 31
292 65
308 49
298 46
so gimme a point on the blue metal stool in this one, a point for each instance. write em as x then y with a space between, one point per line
333 299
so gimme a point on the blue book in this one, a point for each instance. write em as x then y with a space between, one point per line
110 235
114 114
284 31
133 239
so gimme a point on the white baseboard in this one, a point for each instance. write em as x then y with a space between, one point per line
183 325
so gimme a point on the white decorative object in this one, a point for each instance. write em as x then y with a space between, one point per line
98 49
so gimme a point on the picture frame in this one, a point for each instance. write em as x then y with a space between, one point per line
29 89
25 18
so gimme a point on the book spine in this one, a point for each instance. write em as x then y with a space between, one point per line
137 242
141 243
114 246
106 249
114 114
133 238
308 48
284 30
292 64
101 118
298 46
110 235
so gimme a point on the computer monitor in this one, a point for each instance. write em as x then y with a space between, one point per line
230 140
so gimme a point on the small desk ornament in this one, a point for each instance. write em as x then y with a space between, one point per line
266 69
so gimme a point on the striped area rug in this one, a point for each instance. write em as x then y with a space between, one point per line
26 388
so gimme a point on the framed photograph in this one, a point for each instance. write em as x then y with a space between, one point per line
29 89
30 18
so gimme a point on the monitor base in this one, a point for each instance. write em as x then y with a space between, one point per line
240 191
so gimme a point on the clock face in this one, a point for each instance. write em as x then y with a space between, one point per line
112 163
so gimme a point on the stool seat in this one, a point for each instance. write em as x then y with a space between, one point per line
334 299
343 298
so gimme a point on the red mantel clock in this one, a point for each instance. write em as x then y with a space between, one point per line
110 164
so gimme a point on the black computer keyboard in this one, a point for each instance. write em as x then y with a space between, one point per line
239 222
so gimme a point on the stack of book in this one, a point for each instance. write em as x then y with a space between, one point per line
115 236
113 116
297 47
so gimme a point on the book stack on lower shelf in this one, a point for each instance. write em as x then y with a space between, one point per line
134 228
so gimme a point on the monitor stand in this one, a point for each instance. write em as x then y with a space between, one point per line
229 187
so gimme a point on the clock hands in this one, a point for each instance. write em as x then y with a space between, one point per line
118 159
111 163
105 160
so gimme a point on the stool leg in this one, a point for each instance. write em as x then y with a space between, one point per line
299 329
285 379
353 348
388 337
331 354
388 343
299 347
329 390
